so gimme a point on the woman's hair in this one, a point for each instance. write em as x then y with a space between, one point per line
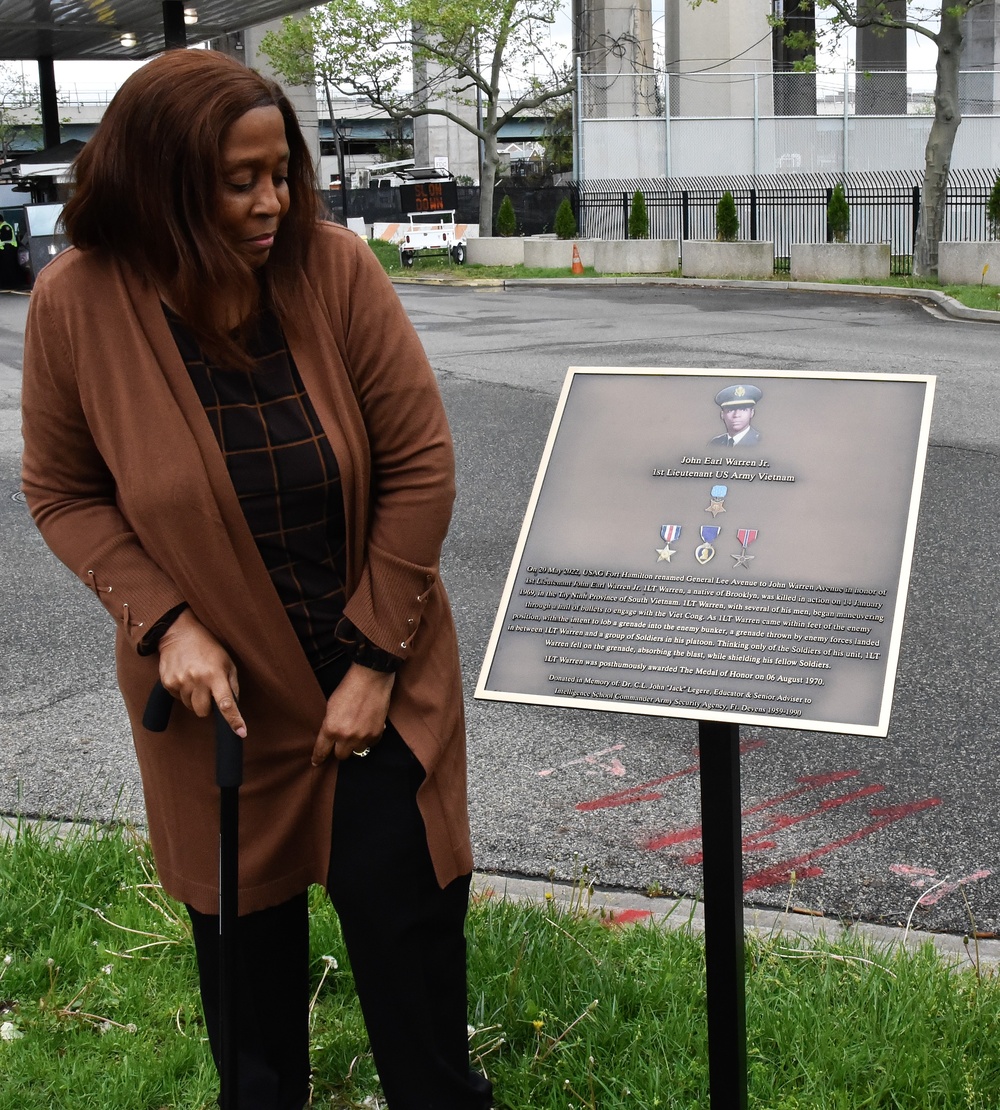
148 186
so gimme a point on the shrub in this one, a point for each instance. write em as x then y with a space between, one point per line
506 220
993 210
565 225
638 218
727 223
838 215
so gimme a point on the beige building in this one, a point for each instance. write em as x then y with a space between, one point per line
245 45
717 40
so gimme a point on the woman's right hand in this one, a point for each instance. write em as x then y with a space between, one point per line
197 670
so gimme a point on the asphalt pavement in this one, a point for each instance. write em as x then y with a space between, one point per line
857 829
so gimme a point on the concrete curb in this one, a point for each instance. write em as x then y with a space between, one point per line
800 927
948 304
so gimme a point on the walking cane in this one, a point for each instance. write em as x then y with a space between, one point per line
228 776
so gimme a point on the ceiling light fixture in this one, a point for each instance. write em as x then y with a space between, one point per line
190 16
128 40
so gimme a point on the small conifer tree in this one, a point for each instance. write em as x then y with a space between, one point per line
638 218
838 215
565 225
727 223
506 220
993 210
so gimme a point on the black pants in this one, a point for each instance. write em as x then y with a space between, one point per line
405 940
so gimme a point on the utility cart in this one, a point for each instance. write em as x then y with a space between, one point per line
431 233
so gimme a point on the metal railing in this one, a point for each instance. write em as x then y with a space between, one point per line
788 215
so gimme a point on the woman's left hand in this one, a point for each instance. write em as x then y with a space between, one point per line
356 713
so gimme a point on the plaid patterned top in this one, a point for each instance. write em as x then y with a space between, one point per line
288 483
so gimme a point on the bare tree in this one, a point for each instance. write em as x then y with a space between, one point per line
411 58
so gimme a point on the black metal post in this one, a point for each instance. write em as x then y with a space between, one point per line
228 776
174 30
722 847
50 108
625 213
916 215
753 215
685 215
338 136
826 215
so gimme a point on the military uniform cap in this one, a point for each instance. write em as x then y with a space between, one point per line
738 397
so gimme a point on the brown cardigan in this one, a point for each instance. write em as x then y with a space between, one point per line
128 487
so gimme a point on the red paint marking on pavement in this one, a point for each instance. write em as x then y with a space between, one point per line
906 869
781 873
756 840
591 759
640 793
644 791
938 890
932 897
809 782
617 918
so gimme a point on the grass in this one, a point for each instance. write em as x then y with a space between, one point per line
99 1010
972 296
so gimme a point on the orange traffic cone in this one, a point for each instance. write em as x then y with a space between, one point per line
577 266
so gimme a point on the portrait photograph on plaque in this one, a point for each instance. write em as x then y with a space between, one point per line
730 545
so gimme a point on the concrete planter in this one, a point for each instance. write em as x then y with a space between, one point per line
496 251
636 256
712 259
839 261
556 254
962 263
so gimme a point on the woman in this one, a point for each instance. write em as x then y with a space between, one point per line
233 437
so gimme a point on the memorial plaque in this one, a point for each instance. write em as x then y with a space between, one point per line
722 545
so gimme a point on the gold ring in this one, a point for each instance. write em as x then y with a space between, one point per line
361 754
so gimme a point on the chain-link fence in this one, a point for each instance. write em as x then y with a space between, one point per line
714 123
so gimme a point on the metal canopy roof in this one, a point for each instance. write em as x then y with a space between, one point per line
92 29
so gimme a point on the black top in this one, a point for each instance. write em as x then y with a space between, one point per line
287 480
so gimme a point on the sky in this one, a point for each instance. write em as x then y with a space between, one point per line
99 80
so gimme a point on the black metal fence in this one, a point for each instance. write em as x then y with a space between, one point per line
534 209
782 215
785 216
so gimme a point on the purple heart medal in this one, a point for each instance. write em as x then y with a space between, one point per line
705 552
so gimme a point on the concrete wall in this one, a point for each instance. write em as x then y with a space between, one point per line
731 36
636 256
557 254
962 263
496 251
980 92
839 261
712 259
616 37
437 137
245 46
